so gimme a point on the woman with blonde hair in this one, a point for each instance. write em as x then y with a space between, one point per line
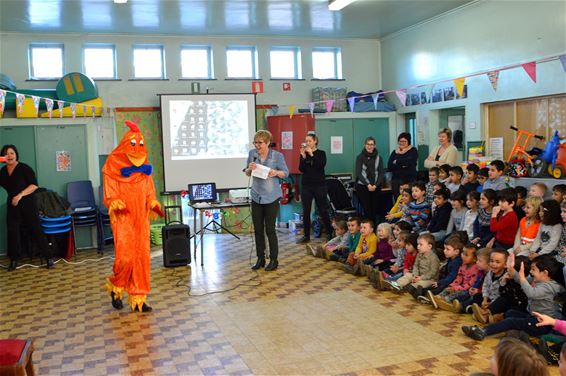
445 153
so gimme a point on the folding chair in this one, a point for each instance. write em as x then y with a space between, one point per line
85 212
103 219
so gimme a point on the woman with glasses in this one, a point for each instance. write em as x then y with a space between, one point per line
313 186
369 178
402 163
445 153
265 194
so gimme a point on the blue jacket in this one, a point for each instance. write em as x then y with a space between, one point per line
449 272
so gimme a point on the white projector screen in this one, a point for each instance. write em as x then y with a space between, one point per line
206 138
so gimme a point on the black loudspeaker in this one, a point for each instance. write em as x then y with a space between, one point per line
176 245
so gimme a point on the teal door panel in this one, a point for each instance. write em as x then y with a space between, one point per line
340 162
377 128
24 139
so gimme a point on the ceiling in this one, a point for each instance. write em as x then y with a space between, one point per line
293 18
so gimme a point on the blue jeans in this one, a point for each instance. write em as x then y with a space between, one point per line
518 320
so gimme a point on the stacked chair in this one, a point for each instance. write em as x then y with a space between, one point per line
84 209
53 226
103 219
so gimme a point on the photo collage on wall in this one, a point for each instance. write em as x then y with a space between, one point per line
437 95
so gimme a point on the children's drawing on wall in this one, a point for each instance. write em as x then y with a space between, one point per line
63 161
336 145
424 99
437 96
415 99
449 93
286 140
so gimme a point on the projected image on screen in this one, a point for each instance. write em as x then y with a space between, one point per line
209 129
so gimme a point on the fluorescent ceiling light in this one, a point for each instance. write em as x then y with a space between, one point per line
338 4
120 1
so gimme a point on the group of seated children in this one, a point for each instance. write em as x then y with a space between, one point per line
504 249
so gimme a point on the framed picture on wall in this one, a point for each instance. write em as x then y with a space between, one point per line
464 93
415 99
424 99
449 93
437 96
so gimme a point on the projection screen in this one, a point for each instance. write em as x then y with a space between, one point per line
206 138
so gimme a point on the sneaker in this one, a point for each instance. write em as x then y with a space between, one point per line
333 257
477 314
319 251
304 240
379 280
368 269
456 306
393 286
432 299
468 309
356 269
423 299
348 268
311 251
474 332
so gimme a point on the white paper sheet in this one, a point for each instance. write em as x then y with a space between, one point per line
336 145
261 171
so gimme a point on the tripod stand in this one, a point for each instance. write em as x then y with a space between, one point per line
217 227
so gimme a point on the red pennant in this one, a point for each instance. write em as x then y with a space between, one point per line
531 69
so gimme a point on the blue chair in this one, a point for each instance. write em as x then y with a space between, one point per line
103 218
84 209
54 226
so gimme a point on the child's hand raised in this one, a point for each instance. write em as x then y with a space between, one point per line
511 264
544 320
522 272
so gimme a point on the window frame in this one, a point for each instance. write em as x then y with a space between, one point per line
298 70
39 45
337 52
148 46
255 64
210 60
114 60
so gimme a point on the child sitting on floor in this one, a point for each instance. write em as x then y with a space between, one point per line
381 259
504 223
472 203
400 208
549 231
458 212
528 227
470 181
559 192
444 173
482 232
454 181
440 215
395 271
340 241
341 254
538 189
483 175
367 245
394 242
467 276
418 211
474 294
433 173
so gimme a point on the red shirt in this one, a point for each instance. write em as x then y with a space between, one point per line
504 227
409 261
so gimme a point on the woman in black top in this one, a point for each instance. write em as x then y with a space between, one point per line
402 163
311 164
369 178
18 179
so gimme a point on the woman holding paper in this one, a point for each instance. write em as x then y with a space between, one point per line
266 166
311 164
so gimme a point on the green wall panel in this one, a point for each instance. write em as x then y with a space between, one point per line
326 128
377 128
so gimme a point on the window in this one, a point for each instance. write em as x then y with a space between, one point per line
241 62
148 61
45 61
100 61
286 62
326 63
196 62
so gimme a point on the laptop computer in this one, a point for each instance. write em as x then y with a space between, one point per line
202 192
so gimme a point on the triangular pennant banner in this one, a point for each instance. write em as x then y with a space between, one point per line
84 110
493 79
60 105
329 104
563 61
531 69
93 108
49 105
311 108
291 110
459 83
352 102
20 102
2 101
402 95
375 97
74 110
36 102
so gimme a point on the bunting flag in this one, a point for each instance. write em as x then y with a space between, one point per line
563 61
351 103
2 101
60 105
402 95
375 97
93 109
20 102
531 69
311 108
49 105
493 79
74 110
459 83
84 110
291 110
329 104
36 102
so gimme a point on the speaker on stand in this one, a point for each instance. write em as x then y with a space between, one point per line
176 245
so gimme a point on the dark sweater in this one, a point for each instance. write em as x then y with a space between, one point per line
449 272
312 168
362 179
440 218
403 166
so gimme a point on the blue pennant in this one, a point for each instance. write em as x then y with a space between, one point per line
144 169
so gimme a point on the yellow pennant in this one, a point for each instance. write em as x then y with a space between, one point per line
459 83
291 110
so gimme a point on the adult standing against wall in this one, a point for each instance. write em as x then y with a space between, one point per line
402 163
19 181
369 178
311 163
445 153
265 195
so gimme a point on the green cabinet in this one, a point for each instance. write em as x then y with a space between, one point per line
353 133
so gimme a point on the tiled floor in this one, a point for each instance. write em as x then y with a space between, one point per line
306 318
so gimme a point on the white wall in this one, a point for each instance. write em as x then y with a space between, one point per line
361 69
483 35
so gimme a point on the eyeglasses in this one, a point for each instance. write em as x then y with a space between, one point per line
368 144
258 142
402 141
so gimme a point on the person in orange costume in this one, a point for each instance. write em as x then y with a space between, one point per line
129 195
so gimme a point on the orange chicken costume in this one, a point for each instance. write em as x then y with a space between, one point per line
129 195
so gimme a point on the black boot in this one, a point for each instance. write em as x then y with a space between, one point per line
116 302
146 308
273 264
260 263
13 265
50 264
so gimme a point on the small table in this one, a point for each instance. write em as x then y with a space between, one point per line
201 207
